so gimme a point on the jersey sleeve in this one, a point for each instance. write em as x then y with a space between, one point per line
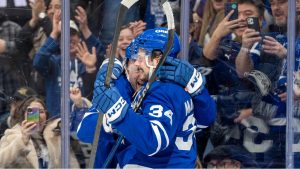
205 109
87 126
86 132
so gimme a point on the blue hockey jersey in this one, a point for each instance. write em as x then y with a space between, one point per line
162 135
205 113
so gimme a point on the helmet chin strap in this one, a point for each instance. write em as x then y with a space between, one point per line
150 66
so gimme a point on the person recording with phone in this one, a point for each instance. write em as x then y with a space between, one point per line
272 108
221 51
234 95
32 142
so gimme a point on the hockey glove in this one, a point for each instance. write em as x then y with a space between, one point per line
110 102
106 125
116 72
182 73
100 80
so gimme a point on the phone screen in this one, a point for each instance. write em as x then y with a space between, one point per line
33 114
229 6
253 23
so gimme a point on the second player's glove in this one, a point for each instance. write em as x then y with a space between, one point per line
109 102
182 73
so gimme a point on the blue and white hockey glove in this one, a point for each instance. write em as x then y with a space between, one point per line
106 125
116 72
109 102
182 73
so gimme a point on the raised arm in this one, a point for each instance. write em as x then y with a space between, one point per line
224 28
244 62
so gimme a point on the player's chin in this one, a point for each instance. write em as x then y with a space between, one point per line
139 84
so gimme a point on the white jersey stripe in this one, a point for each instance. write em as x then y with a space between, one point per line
158 138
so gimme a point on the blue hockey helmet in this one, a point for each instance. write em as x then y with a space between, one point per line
153 39
131 50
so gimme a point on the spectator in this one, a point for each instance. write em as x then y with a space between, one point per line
234 95
230 156
212 16
9 78
197 7
16 10
32 145
14 101
125 38
31 37
79 107
272 107
107 17
47 62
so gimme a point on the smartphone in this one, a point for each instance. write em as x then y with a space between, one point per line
33 114
229 6
253 23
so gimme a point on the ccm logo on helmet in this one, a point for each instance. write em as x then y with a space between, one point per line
161 31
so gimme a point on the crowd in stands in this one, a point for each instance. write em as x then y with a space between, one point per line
245 72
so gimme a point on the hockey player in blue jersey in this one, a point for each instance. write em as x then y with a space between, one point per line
159 129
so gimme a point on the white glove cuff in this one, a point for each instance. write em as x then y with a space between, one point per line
195 82
107 127
114 114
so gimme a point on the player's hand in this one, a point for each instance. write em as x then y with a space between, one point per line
110 102
182 73
116 72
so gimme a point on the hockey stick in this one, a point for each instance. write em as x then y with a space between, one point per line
171 30
124 6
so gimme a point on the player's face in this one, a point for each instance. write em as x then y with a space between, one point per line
279 11
245 10
134 75
144 62
126 36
